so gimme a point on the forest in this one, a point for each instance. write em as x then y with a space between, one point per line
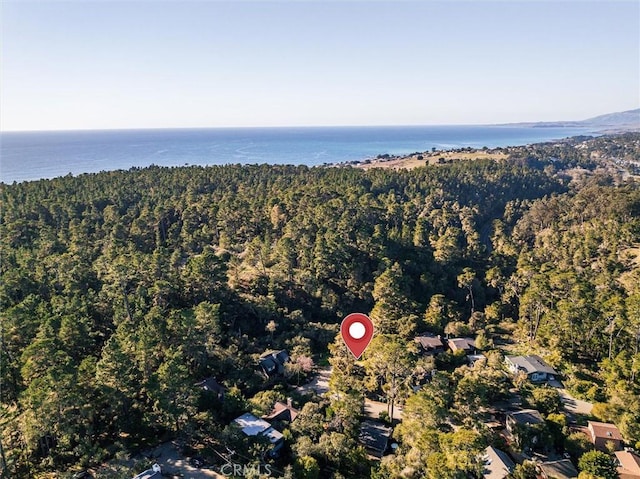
121 290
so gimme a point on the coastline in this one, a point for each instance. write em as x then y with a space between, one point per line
50 155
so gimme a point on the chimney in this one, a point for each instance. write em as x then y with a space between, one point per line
289 403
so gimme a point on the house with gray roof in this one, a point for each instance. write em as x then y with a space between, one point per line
272 363
374 436
430 345
467 345
533 366
524 417
562 469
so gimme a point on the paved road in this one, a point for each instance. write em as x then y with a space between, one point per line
373 409
319 384
573 405
168 457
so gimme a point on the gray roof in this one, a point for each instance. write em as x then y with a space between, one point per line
210 384
461 344
429 342
374 436
562 469
531 364
527 416
268 364
497 465
273 361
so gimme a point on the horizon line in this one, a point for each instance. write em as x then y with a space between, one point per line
282 127
237 127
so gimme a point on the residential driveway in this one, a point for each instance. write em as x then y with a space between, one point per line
319 384
172 462
373 409
573 405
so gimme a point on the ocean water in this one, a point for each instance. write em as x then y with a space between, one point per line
34 155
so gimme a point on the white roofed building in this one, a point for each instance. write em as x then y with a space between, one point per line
253 426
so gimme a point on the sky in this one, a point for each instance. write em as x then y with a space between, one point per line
161 64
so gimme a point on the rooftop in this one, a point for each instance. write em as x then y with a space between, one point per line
282 411
531 364
273 434
605 430
374 436
527 416
461 344
210 384
251 425
629 463
563 469
429 342
155 471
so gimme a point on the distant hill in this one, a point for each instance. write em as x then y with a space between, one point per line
620 121
623 118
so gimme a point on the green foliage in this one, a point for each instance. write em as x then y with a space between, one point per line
526 470
121 290
306 467
389 366
577 444
599 464
262 403
546 400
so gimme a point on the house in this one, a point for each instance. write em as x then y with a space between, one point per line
533 366
252 426
604 436
155 471
628 465
562 469
272 363
374 436
467 345
474 358
497 465
525 417
282 412
431 345
211 385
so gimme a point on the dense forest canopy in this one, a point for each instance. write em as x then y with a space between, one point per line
121 290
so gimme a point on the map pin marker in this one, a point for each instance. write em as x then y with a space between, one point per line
356 330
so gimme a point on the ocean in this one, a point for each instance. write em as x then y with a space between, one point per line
26 156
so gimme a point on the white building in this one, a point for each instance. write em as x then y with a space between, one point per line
253 426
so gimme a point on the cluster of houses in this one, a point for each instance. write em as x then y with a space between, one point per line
498 465
432 345
271 364
251 425
375 436
605 437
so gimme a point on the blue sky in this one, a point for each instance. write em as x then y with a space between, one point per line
92 65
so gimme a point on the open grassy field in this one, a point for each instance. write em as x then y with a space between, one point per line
432 158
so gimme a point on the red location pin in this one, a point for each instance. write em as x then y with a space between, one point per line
356 330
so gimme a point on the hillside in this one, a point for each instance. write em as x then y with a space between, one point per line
612 122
